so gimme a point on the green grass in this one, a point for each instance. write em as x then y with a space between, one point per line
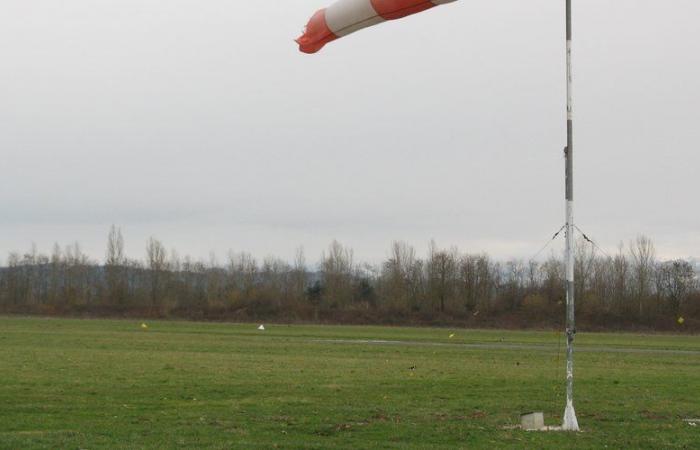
110 384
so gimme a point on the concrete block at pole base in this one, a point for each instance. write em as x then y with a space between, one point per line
532 421
570 422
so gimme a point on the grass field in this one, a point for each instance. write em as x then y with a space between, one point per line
111 384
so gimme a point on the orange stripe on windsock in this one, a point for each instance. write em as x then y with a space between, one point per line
396 9
316 35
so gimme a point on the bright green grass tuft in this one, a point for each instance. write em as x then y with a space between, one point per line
111 384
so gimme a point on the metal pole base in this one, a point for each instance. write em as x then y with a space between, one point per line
570 422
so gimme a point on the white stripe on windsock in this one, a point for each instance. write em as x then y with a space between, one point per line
345 17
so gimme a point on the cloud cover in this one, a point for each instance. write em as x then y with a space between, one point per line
201 124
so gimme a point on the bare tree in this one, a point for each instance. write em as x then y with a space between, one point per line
441 268
553 280
68 281
620 275
399 275
56 276
115 267
14 284
584 256
533 275
643 255
337 268
156 257
676 281
299 275
77 290
115 247
601 282
243 273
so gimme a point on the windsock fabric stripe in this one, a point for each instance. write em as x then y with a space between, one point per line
347 16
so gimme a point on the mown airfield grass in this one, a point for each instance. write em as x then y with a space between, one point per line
111 384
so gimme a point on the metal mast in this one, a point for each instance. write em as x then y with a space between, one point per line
570 422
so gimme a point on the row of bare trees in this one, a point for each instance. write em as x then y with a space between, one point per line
631 288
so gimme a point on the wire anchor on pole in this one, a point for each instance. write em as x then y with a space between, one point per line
591 241
547 244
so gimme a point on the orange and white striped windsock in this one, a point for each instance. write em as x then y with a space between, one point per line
347 16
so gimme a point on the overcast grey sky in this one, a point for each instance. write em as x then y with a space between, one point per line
200 123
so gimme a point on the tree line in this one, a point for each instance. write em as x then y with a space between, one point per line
631 289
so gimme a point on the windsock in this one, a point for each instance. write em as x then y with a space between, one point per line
347 16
